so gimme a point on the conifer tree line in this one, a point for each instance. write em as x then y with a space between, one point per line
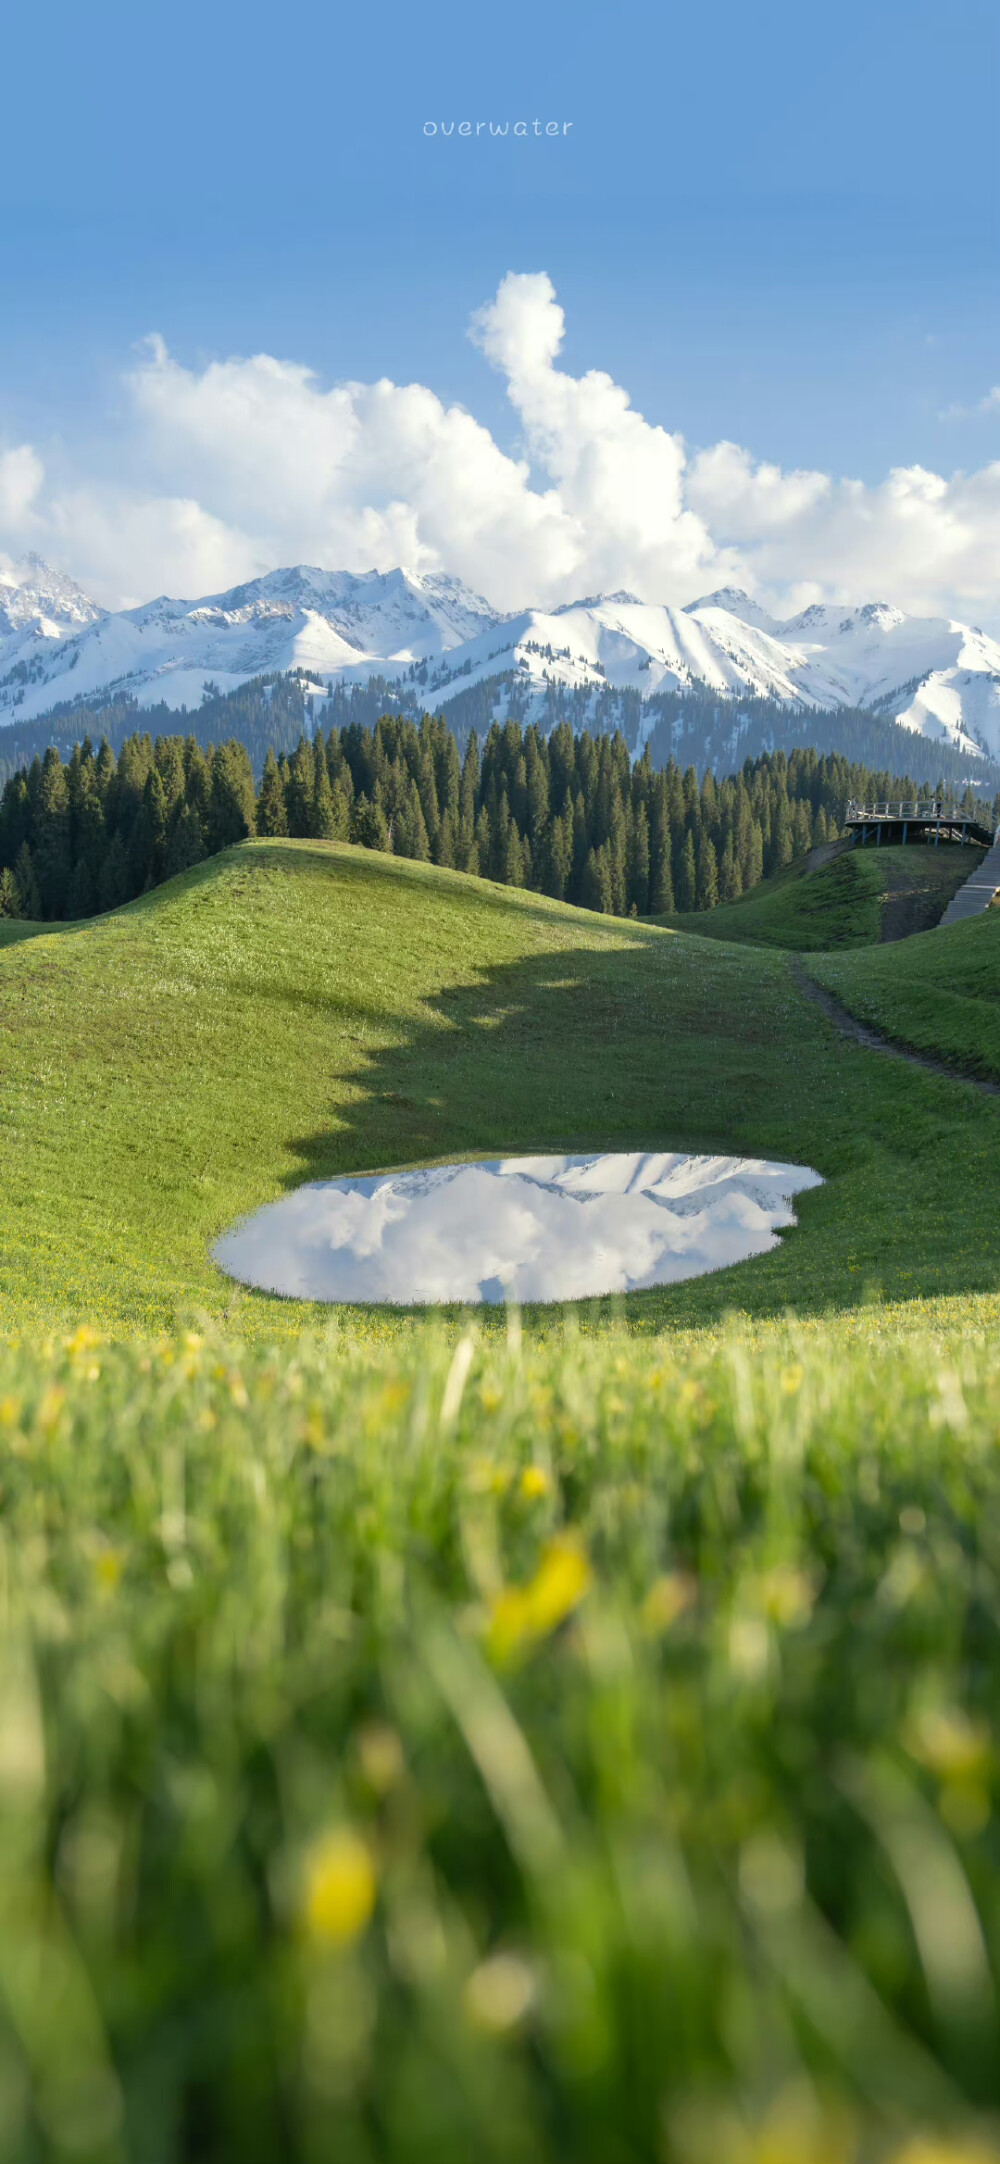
569 815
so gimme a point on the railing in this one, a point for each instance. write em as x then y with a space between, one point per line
899 809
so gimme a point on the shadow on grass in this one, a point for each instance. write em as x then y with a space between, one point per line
637 1048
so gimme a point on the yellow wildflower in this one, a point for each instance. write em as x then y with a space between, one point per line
339 1888
83 1339
524 1613
108 1569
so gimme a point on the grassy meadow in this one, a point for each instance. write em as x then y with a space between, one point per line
297 1010
566 1736
850 898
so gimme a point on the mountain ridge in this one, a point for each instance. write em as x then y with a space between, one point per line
429 632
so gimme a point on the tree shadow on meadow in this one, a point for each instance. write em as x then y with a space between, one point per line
591 1049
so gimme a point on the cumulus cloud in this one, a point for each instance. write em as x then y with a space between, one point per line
250 462
620 479
929 544
21 478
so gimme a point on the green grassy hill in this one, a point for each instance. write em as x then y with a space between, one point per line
940 994
297 1010
555 1738
852 899
13 930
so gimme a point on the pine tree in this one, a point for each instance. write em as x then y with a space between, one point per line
10 899
597 882
730 884
232 805
514 861
114 885
447 842
660 846
782 846
368 824
51 851
754 872
470 783
581 848
149 845
197 779
300 789
341 801
537 789
81 894
272 813
708 874
427 791
661 899
617 848
686 888
186 846
27 884
322 822
559 853
420 841
638 862
499 833
481 843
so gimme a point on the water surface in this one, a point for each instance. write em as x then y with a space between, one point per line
515 1228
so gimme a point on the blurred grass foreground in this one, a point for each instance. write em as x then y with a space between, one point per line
582 1750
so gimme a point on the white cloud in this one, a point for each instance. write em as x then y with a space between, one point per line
251 462
620 479
21 478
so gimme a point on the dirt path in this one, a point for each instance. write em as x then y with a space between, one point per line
862 1033
824 853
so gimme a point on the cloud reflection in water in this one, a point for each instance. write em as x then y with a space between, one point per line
518 1228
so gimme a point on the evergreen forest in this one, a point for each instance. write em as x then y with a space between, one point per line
570 815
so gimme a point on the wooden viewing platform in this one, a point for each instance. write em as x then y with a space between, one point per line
897 821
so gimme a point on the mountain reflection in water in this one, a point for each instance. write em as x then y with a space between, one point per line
515 1228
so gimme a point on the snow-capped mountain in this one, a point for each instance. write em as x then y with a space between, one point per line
932 674
35 598
323 622
437 639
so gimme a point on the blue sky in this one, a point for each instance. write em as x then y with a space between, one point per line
768 224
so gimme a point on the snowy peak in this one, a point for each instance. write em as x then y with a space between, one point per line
429 632
734 602
406 612
34 598
826 620
298 617
599 601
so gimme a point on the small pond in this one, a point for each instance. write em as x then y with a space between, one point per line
515 1228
